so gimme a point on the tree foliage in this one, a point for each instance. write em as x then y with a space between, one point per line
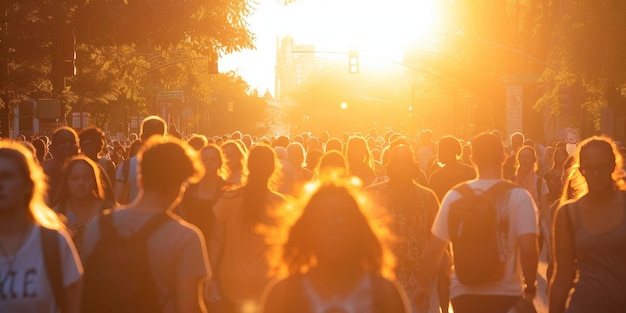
126 50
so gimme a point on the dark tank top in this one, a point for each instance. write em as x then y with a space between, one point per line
601 263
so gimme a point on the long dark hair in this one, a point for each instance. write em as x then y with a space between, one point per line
261 167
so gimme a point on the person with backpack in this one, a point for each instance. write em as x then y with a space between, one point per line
143 258
39 268
491 223
126 188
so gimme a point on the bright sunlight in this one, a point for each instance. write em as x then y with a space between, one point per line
376 28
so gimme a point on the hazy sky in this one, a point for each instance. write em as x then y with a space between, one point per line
374 27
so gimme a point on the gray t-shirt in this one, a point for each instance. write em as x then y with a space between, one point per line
132 178
175 250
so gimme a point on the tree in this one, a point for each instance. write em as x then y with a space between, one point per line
234 107
589 46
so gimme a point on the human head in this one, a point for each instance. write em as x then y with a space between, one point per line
261 164
425 136
41 149
357 151
517 140
334 230
448 149
401 166
487 151
559 157
79 179
295 154
334 144
235 156
64 143
332 162
152 125
92 140
600 163
20 170
212 158
526 159
197 141
164 165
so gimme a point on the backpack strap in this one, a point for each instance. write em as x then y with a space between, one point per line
107 228
151 226
52 263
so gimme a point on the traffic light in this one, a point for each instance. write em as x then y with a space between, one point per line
353 62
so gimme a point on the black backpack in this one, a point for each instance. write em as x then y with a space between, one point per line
117 274
474 229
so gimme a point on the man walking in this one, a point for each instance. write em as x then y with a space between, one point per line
514 233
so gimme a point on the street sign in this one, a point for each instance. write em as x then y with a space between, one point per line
171 94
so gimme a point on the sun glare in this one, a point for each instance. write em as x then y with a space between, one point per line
375 28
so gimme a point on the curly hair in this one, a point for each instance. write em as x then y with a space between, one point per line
299 252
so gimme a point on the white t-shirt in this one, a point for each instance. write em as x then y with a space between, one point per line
522 220
26 288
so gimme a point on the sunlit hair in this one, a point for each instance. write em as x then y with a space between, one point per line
357 152
221 171
24 161
152 125
607 146
331 161
165 164
63 193
238 163
533 153
299 254
197 141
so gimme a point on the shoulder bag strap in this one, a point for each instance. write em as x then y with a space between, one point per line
52 263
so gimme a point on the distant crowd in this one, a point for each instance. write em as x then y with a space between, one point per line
364 222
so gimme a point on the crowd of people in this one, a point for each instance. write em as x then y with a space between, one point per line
365 222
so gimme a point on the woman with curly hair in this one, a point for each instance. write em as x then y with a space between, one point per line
335 261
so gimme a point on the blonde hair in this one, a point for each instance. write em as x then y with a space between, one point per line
575 179
32 172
